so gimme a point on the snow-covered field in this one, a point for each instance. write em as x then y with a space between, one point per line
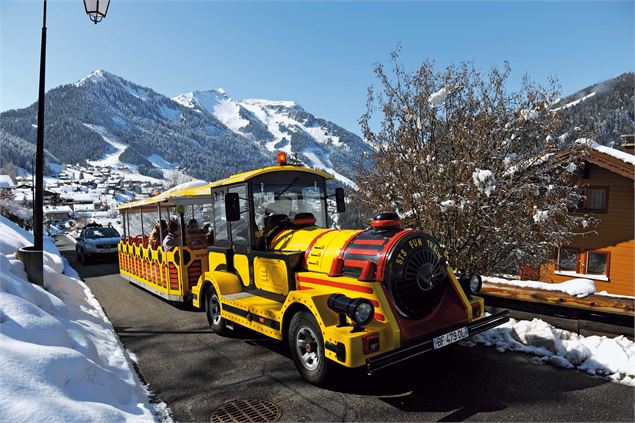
60 359
613 358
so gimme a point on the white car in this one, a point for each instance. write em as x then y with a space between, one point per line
96 241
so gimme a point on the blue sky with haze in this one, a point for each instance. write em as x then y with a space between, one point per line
319 54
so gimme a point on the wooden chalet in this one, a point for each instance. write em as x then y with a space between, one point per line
608 256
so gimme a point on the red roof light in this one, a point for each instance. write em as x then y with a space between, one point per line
281 158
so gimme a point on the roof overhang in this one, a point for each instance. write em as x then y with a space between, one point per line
611 164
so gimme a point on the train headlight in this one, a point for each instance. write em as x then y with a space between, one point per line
476 282
364 312
360 310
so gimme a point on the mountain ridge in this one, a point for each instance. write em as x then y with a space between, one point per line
103 114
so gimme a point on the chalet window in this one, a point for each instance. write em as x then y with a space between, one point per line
598 262
596 199
568 259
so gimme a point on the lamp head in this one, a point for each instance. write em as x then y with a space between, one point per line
96 9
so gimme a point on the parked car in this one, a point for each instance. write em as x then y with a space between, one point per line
96 241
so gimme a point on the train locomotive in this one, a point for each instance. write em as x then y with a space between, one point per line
368 298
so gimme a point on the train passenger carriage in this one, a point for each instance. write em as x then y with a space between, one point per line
371 297
169 274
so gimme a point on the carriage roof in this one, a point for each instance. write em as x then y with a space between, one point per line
194 194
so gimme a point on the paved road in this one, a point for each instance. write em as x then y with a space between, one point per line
195 371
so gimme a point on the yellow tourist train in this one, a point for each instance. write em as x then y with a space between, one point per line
257 250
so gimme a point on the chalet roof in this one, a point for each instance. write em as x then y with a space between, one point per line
6 182
609 158
57 209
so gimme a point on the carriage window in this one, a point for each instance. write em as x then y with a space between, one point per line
240 228
220 223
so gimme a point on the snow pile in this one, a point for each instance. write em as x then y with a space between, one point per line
445 205
59 355
529 114
578 287
484 180
613 358
540 215
438 98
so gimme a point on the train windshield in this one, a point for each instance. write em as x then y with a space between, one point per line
289 196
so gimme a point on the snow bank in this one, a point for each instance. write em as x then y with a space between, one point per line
613 358
578 287
60 358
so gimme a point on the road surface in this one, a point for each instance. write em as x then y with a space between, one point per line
195 371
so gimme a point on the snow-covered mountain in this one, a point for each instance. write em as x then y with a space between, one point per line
282 126
601 111
107 120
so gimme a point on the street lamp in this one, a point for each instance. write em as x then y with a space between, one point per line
96 9
33 256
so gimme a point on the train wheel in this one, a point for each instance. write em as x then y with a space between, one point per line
307 348
213 307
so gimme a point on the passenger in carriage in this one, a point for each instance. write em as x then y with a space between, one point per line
208 230
160 229
172 238
192 226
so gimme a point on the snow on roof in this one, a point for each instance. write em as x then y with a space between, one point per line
78 197
621 155
83 207
6 182
58 209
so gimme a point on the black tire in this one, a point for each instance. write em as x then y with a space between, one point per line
212 310
306 345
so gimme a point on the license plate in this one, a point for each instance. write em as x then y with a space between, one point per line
449 338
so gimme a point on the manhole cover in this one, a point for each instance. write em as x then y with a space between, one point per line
249 410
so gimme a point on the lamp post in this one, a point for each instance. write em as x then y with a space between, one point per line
33 256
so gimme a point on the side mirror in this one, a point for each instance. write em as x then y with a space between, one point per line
232 207
339 200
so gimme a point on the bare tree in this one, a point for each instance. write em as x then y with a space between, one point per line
174 177
470 161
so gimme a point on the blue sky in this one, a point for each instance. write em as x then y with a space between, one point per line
319 54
